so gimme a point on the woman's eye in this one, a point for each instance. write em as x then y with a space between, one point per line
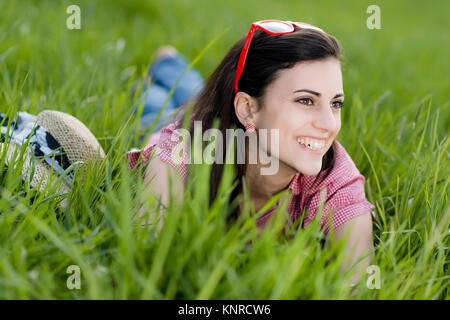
310 102
305 101
338 104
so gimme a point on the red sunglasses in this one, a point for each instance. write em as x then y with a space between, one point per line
273 27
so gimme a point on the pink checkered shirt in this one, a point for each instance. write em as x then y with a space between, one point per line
344 185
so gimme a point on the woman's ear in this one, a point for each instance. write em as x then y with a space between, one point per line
246 108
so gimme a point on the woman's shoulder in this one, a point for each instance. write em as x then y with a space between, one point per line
162 145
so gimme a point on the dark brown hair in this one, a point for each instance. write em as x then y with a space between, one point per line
267 55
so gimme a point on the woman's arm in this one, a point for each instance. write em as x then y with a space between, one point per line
156 179
359 243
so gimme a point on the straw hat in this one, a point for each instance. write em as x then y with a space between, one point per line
78 144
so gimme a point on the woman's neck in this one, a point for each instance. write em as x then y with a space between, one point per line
265 186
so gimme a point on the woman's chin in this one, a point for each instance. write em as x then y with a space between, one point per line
310 171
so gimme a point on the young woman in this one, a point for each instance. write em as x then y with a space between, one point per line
284 76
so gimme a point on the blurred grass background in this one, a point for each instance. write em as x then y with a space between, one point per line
395 127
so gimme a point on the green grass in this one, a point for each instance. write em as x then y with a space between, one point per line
394 126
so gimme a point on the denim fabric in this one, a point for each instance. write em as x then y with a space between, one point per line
153 100
164 74
167 71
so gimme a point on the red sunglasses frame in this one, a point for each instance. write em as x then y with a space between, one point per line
248 40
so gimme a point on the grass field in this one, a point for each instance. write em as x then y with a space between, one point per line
394 126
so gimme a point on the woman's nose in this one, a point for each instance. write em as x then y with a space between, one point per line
326 119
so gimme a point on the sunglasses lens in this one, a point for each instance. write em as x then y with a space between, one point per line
306 26
275 26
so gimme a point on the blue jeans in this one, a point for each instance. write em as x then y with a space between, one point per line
164 73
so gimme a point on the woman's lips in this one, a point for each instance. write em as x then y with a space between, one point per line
302 140
320 151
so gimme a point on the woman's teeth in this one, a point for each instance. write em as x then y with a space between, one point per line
311 143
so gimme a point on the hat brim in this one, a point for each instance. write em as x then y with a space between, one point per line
77 141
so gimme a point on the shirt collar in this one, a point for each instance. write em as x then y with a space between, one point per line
296 185
305 183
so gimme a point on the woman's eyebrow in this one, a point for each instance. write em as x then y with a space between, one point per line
317 93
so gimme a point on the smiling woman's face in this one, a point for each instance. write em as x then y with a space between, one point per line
304 104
